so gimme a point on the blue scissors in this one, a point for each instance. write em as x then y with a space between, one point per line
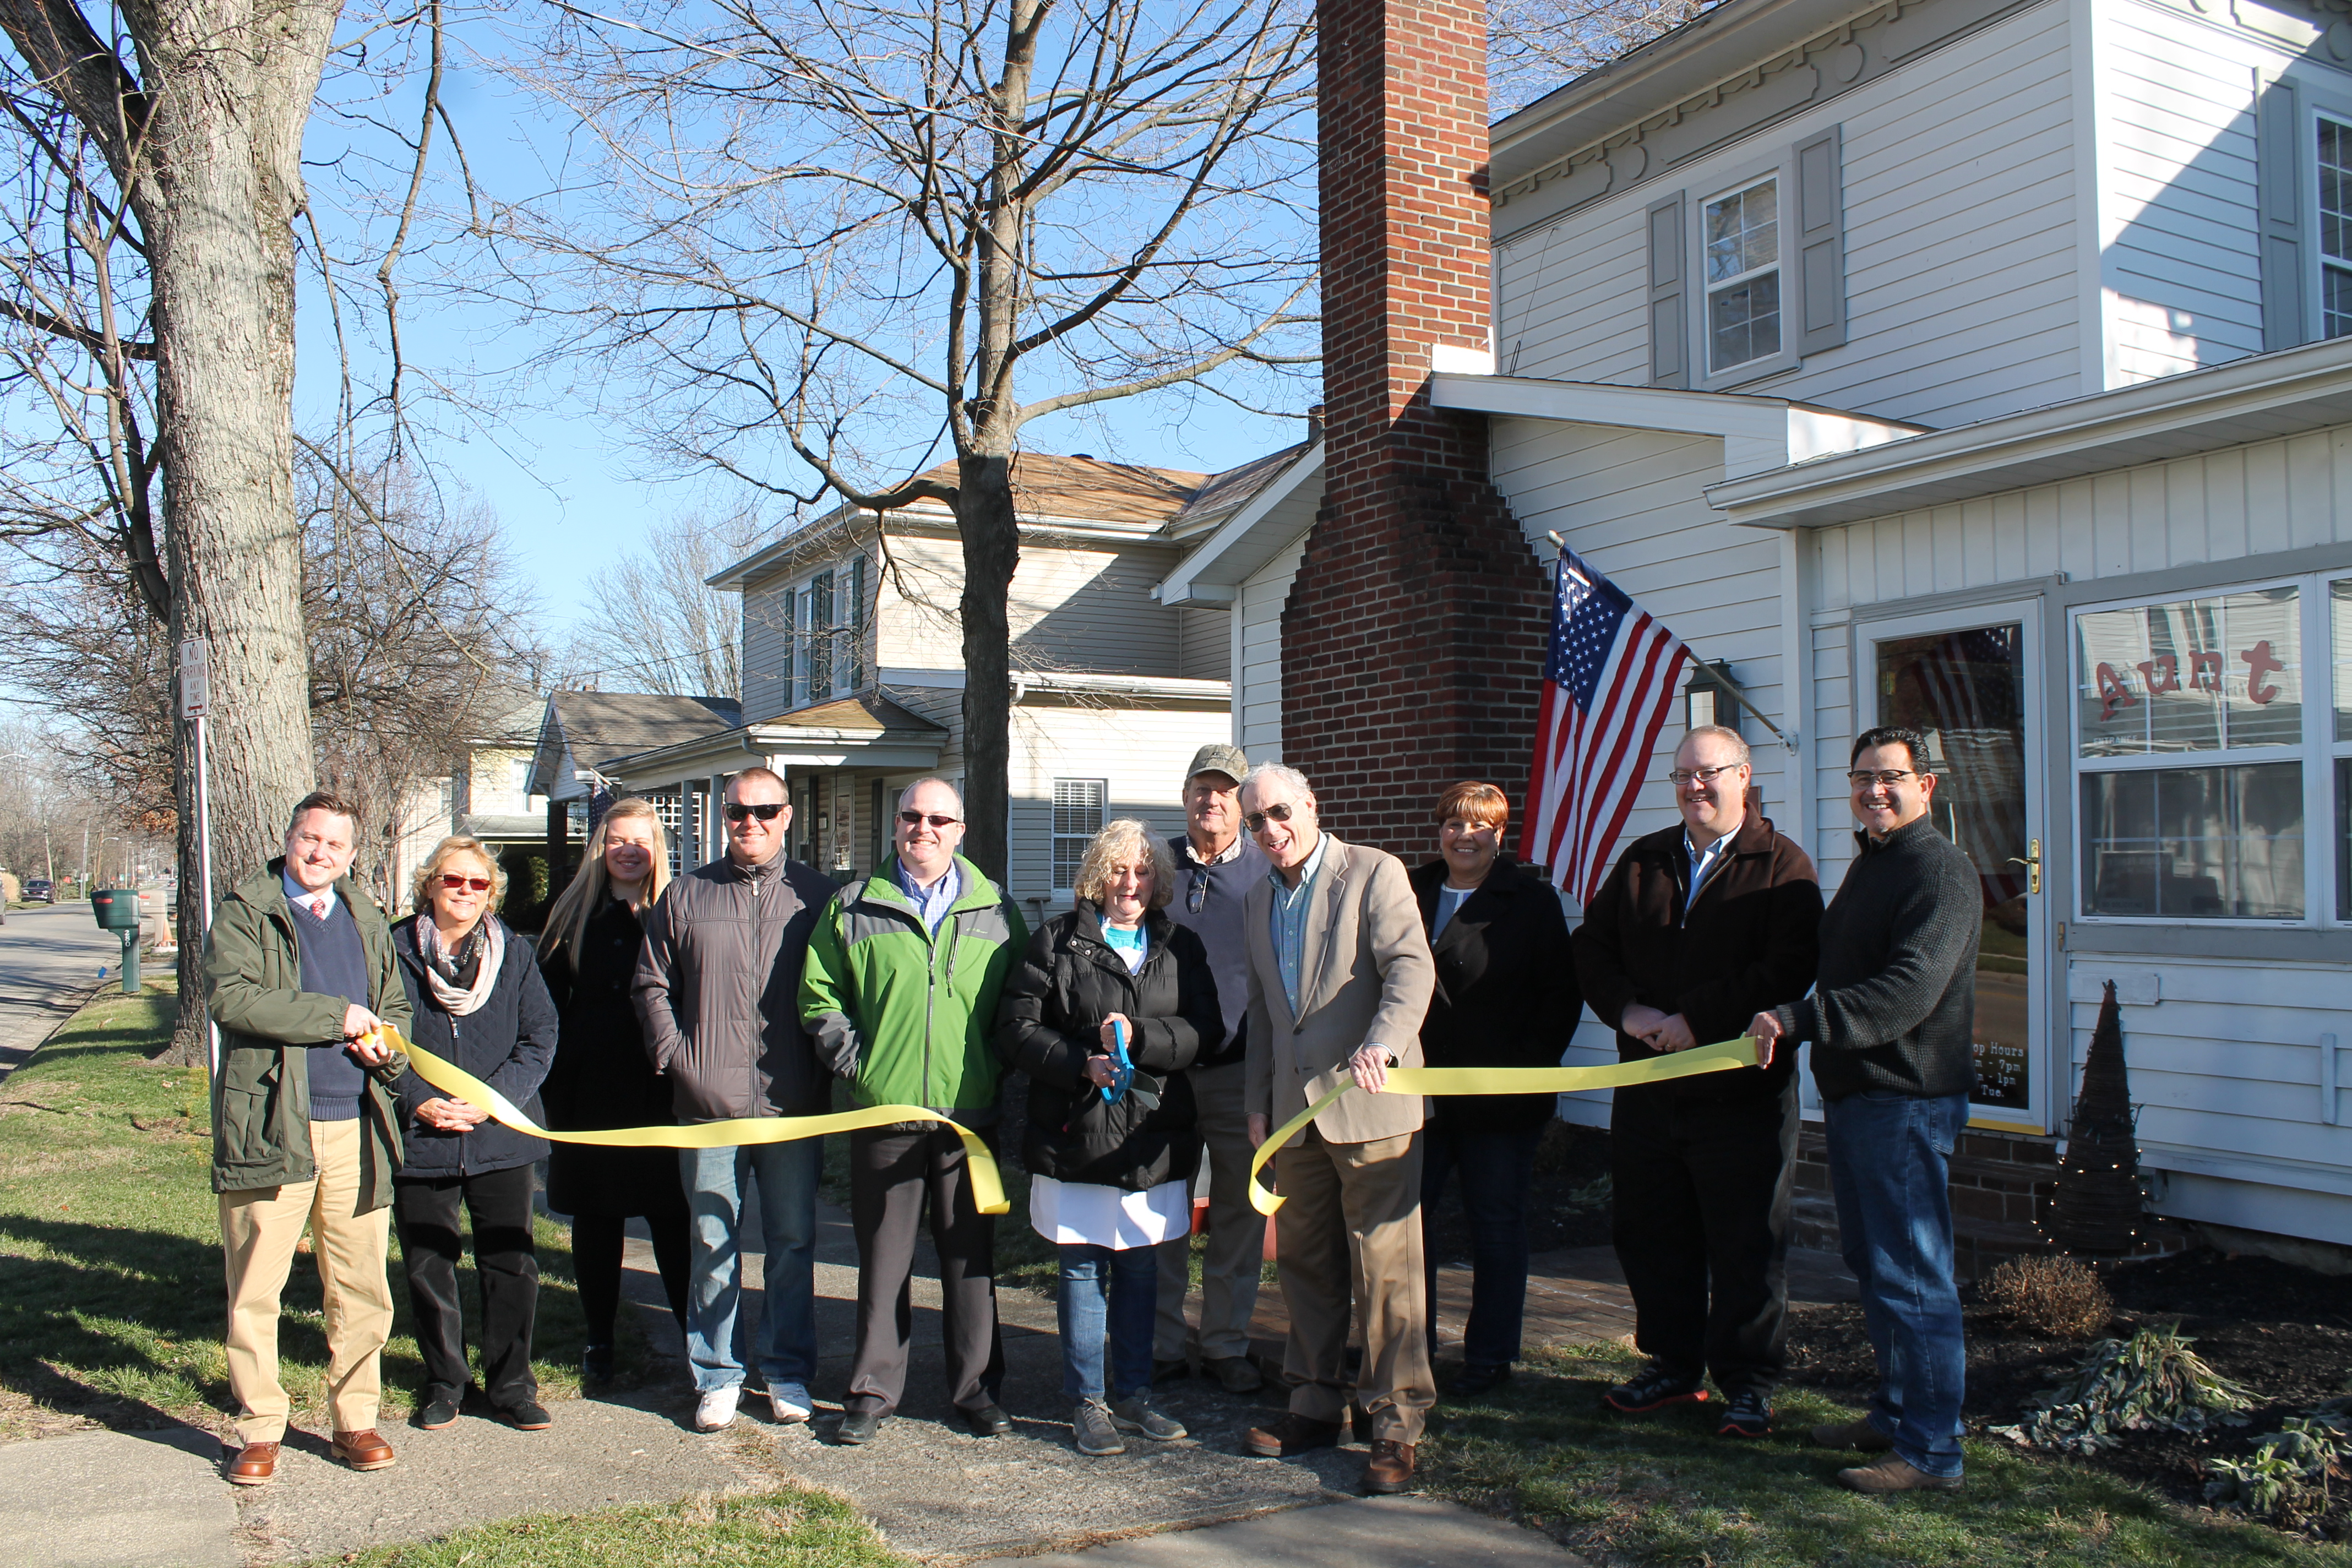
1122 1069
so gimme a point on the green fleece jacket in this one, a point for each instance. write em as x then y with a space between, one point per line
261 1096
904 1013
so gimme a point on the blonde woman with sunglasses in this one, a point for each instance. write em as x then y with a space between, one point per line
478 1002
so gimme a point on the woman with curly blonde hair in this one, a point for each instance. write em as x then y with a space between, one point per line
1110 1004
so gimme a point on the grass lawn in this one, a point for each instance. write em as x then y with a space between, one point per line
788 1529
111 1302
1665 1489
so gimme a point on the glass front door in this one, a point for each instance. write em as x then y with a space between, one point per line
1966 690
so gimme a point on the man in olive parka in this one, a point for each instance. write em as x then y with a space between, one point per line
298 971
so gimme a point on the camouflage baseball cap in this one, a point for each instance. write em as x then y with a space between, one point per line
1219 759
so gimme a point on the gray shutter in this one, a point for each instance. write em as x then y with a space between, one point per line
857 658
1669 316
2278 162
789 598
1820 244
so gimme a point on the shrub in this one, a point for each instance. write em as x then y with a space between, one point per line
2057 1295
2288 1478
2150 1383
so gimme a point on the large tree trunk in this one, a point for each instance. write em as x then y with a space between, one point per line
231 83
992 549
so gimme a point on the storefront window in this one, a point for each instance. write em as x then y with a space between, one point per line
2218 678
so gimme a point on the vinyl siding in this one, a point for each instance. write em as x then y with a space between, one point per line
2225 1064
1961 294
1257 693
1204 644
2181 280
767 652
1139 754
1070 608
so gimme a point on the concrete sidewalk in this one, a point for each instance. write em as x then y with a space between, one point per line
937 1495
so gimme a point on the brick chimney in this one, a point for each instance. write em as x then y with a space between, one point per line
1413 642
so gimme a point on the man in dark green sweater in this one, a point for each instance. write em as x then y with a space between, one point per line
1891 1019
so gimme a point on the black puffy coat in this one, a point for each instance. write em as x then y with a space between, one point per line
1506 992
601 1078
1049 1021
506 1042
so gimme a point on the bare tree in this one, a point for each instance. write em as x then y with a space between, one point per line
839 238
653 622
1535 46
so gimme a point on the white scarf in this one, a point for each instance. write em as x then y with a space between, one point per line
453 1001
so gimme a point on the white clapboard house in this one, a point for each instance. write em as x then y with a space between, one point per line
853 671
1974 365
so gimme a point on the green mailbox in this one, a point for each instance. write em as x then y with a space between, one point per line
117 909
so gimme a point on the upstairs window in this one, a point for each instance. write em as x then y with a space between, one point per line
2335 227
1741 235
820 637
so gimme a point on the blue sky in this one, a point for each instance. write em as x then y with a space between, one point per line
558 471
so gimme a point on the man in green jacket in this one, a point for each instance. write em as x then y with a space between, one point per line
298 971
899 989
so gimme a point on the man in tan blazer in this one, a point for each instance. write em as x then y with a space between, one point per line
1340 976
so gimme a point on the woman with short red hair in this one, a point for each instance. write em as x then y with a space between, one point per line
1507 997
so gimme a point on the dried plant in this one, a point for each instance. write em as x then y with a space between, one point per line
2057 1295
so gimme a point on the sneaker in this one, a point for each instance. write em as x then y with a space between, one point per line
527 1416
1858 1434
1745 1414
1096 1431
435 1413
1893 1475
1136 1414
790 1401
716 1409
1655 1387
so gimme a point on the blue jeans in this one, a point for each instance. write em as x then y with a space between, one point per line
1889 1157
1495 1169
714 1178
1130 1278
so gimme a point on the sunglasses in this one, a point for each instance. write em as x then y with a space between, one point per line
1255 821
1197 893
453 881
766 811
916 818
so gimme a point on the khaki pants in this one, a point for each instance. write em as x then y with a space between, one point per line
259 1228
1236 1231
1350 1230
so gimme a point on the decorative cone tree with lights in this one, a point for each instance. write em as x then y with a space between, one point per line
2097 1204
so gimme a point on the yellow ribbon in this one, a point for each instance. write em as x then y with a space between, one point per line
1719 1058
987 1187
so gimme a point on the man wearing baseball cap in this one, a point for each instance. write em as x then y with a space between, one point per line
1216 864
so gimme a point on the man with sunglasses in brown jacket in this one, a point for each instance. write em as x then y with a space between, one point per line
1700 927
717 993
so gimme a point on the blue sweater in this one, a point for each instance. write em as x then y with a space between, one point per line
1219 923
333 964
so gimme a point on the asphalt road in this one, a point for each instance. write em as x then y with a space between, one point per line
49 958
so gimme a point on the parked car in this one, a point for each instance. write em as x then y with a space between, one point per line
40 891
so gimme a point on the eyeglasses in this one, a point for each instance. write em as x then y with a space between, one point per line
1682 776
452 881
1255 821
1196 890
937 819
766 810
1862 778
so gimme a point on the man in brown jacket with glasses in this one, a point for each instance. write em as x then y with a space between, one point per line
1700 927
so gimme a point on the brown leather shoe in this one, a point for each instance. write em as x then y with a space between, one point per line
362 1450
1291 1433
1390 1469
1893 1475
255 1464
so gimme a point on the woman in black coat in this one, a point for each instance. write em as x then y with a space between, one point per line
1507 997
603 1077
479 1004
1111 1150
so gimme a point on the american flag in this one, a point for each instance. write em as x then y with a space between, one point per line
1609 682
